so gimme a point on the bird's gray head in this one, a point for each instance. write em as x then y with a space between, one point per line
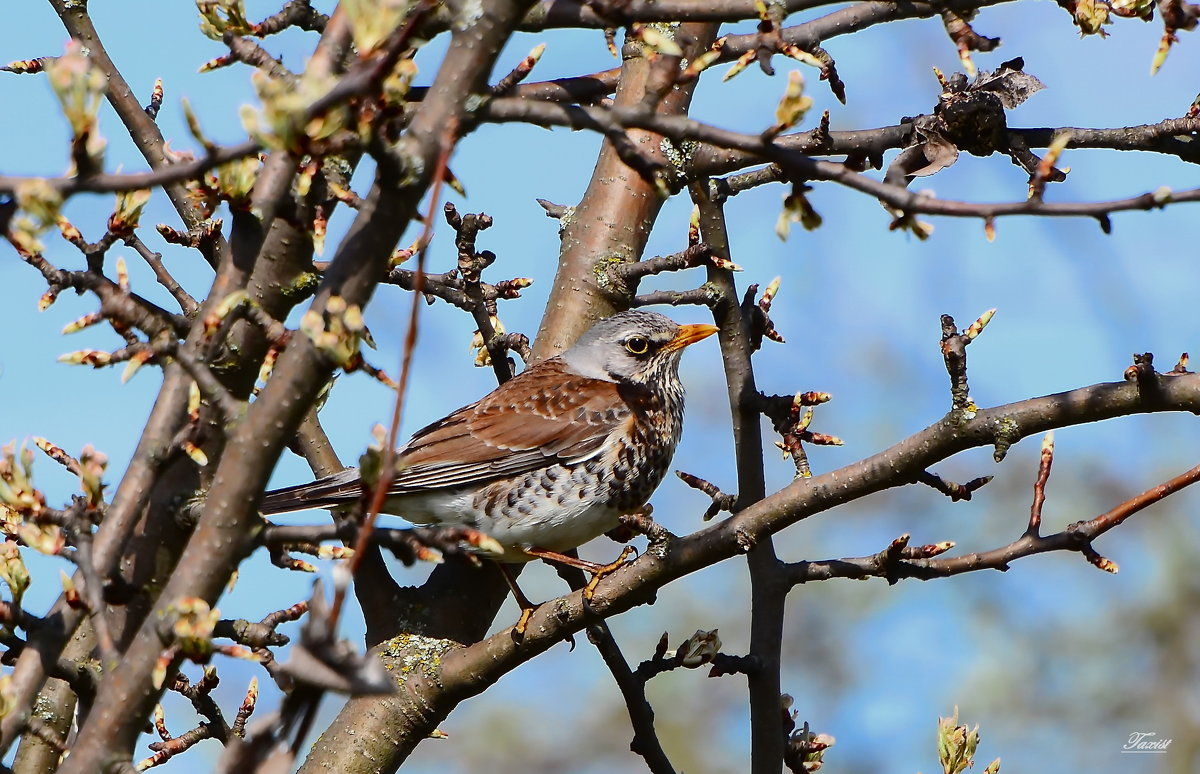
633 346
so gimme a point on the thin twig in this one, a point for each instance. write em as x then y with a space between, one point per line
915 563
633 690
769 595
610 120
154 261
1046 459
93 594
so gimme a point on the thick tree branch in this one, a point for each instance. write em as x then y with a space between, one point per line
221 538
471 670
613 219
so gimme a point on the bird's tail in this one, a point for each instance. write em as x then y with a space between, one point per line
339 489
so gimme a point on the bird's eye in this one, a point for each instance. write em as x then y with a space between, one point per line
637 345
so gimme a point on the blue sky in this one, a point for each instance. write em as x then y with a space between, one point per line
859 307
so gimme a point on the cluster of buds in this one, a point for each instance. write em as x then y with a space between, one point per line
12 566
659 38
40 204
373 21
193 628
281 556
338 332
37 198
804 750
907 221
757 314
394 89
796 209
285 122
91 468
203 195
696 651
23 512
127 212
192 638
480 347
218 17
16 482
232 302
80 87
770 42
1089 16
793 106
235 181
957 744
205 231
703 647
791 419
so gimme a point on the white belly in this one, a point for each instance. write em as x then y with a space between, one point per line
556 528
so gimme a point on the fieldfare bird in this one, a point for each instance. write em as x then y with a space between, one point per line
551 458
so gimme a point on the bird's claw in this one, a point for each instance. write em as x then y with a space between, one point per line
523 622
600 572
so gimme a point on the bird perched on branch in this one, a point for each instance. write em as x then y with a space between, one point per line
548 460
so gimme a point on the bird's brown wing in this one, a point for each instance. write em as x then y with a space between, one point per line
543 415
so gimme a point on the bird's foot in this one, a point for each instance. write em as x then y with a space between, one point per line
526 606
597 571
600 571
523 622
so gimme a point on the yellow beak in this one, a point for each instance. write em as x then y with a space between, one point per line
689 334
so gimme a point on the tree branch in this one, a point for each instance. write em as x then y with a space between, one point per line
767 594
469 671
800 167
